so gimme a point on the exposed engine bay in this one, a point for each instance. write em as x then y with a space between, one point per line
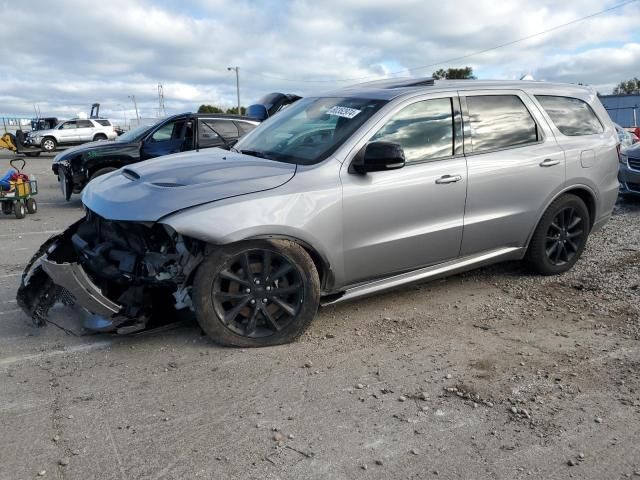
123 273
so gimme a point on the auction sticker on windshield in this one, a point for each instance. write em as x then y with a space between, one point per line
345 112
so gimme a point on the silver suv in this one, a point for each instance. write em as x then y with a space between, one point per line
72 132
338 196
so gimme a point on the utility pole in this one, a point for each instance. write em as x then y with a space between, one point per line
237 70
135 105
161 110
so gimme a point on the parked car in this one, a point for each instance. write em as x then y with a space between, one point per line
75 167
71 132
629 173
625 137
337 197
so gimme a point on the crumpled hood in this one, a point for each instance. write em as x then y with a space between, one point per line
150 190
98 145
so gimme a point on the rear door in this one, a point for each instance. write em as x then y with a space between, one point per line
404 219
208 136
228 129
515 166
85 130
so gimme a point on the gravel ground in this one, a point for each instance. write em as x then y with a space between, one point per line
494 374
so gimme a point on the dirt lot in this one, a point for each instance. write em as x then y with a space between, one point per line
494 374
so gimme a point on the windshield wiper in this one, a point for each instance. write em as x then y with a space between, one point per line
256 153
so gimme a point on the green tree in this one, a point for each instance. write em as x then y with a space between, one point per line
209 109
234 110
628 87
454 74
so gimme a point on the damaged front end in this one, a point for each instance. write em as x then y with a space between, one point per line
123 273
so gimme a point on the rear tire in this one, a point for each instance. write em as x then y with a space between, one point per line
102 171
49 144
19 210
7 208
99 136
560 236
256 293
32 205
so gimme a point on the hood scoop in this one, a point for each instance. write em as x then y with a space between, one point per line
130 174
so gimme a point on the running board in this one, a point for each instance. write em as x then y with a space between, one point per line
435 271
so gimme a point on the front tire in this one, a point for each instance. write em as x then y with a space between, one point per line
19 210
32 205
560 237
49 144
256 293
102 171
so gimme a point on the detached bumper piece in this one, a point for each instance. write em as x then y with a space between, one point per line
73 278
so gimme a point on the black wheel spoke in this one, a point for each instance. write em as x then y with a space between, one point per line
555 226
574 223
574 234
267 315
551 250
573 246
247 267
558 252
281 272
284 306
251 324
235 311
287 290
231 296
266 264
234 278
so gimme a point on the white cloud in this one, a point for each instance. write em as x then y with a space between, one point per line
69 53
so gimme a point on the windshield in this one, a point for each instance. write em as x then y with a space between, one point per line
135 134
310 130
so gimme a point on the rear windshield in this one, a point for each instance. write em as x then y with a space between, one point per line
104 123
572 116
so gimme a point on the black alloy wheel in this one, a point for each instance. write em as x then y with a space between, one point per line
560 236
564 236
256 293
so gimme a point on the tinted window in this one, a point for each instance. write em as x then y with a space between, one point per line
85 124
245 127
226 128
424 130
572 116
207 135
170 131
104 123
500 121
68 125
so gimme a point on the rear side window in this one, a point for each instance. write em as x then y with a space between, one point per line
423 129
85 124
226 128
245 127
500 121
572 116
104 123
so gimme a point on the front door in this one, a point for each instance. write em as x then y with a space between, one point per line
168 138
68 132
404 219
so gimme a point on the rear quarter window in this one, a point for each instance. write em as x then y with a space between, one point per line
572 116
104 123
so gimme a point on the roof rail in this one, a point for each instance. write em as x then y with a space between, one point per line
389 83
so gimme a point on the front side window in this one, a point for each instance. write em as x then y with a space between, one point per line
170 131
68 125
424 130
500 121
572 116
310 130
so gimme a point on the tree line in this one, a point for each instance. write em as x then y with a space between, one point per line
213 109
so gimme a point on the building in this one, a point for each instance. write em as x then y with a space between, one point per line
623 109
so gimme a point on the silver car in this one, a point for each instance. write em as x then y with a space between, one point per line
339 196
72 132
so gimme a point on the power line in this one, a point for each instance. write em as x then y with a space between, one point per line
455 59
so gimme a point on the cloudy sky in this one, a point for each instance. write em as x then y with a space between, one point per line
64 55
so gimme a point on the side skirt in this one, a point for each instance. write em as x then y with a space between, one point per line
428 273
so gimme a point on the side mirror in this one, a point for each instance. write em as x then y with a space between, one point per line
257 111
378 157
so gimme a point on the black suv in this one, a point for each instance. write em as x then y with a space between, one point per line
76 166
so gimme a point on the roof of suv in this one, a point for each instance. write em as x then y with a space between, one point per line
392 88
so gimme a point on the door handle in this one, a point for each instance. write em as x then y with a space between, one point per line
549 162
448 179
